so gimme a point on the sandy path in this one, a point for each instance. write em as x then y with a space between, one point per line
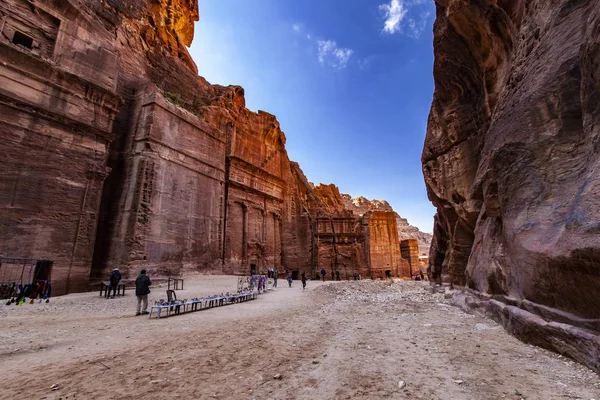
349 340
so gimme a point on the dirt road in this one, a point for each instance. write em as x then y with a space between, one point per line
348 340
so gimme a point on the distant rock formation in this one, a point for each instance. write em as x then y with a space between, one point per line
360 205
366 243
511 163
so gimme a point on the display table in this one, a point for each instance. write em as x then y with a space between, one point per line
178 307
105 285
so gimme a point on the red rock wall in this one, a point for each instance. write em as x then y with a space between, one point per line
511 153
299 223
212 194
119 154
341 245
409 249
384 246
55 121
366 244
170 218
360 206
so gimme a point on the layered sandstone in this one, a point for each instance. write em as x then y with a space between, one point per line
57 117
360 205
355 242
117 154
510 162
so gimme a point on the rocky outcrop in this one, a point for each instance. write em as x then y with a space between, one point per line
331 198
352 242
511 154
360 205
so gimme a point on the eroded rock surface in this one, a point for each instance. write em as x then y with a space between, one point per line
116 153
511 154
352 243
360 205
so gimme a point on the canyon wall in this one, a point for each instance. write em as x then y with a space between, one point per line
510 161
117 153
360 205
384 246
352 242
56 118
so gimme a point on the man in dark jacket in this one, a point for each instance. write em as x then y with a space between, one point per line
142 289
115 278
323 272
304 280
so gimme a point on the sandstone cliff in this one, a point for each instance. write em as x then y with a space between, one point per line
360 205
510 161
116 153
364 243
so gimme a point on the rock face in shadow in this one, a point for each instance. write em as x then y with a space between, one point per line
511 154
57 115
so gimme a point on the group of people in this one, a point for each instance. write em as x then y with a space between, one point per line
143 283
142 289
273 273
335 275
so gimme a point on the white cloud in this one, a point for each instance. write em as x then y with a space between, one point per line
341 57
330 54
398 20
325 48
394 14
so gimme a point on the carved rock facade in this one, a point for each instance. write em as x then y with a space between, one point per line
57 116
364 244
510 162
116 153
360 205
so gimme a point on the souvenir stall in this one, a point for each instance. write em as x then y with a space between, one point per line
22 279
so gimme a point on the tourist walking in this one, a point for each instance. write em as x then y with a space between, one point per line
289 279
337 274
275 276
323 274
115 278
142 289
304 280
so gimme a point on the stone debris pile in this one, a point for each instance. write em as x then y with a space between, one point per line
383 292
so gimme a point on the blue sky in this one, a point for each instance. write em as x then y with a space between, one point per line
349 81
